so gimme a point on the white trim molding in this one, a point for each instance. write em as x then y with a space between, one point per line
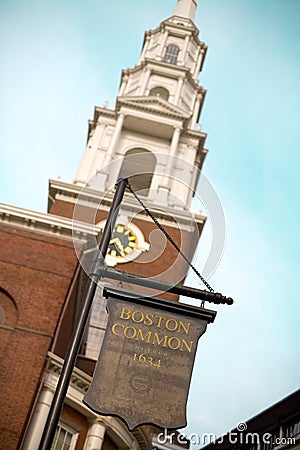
55 226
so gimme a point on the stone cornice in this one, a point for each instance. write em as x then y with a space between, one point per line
166 69
104 112
150 105
163 68
71 192
33 221
146 107
79 380
170 23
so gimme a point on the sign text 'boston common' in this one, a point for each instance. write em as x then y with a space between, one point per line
145 365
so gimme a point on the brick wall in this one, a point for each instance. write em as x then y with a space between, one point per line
162 259
35 274
78 422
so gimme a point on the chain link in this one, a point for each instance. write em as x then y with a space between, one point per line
169 238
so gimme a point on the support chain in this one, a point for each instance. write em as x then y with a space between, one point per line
169 238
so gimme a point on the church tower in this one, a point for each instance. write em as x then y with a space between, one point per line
152 136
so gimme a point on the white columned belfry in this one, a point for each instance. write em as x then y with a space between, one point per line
157 110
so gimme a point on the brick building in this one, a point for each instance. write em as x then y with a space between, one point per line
277 427
151 135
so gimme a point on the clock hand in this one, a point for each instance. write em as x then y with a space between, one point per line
120 246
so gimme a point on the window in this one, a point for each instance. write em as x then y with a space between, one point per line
97 326
274 434
171 54
292 429
65 438
295 430
8 318
138 166
8 309
160 92
95 329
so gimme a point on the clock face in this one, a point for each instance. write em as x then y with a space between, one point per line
123 242
126 244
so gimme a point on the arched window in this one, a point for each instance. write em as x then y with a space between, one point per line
159 91
8 319
138 166
171 54
8 309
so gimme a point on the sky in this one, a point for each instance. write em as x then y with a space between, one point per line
61 58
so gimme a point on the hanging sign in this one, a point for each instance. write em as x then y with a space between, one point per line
145 364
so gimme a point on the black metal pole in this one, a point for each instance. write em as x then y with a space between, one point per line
75 341
166 286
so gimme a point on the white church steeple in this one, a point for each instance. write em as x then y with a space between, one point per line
186 8
152 136
156 114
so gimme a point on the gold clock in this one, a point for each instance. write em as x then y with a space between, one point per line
123 242
126 244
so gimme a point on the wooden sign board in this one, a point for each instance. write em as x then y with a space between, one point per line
145 365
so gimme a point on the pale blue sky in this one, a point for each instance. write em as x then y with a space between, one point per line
61 58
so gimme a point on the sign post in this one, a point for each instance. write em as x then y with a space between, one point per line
76 338
148 353
145 364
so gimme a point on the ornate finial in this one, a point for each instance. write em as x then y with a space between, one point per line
186 8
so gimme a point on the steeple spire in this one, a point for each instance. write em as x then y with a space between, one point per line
186 8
